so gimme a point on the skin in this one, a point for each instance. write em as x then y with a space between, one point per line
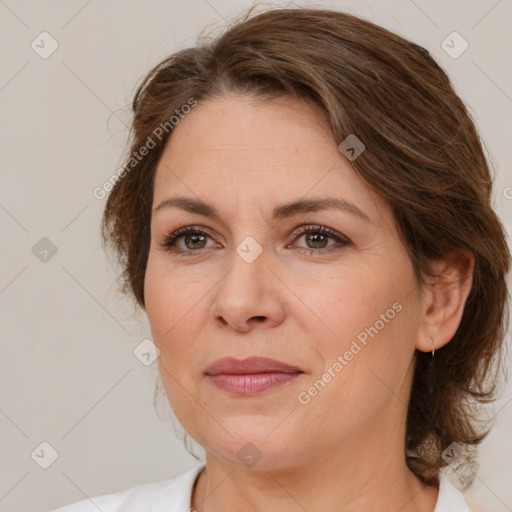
342 451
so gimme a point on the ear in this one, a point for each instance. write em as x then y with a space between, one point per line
444 300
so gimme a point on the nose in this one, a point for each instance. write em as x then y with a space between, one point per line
249 296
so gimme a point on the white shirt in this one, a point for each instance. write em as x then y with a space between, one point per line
175 495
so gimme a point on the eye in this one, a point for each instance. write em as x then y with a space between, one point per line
193 239
317 238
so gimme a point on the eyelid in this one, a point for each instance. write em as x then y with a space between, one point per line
342 240
170 238
320 228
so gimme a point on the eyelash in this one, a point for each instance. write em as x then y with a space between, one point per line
169 243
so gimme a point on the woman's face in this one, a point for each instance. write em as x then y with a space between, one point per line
338 303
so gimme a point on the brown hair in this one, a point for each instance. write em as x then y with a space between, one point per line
423 155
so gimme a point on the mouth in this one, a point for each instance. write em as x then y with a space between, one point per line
250 376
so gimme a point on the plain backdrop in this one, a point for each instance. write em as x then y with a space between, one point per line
69 376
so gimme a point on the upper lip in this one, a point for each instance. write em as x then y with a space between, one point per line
233 366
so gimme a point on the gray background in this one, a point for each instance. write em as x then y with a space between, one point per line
68 373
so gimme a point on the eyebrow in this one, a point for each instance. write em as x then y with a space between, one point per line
280 212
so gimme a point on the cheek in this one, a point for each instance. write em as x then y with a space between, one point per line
383 315
373 319
169 307
177 310
170 310
169 301
365 366
158 302
353 301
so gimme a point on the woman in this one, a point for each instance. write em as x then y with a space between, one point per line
305 217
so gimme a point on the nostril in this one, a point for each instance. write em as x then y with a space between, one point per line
223 321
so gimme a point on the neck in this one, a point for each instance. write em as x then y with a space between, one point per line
356 477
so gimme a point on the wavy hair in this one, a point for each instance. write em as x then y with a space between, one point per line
424 156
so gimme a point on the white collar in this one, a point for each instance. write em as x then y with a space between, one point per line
450 499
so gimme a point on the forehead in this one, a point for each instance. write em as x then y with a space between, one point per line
276 150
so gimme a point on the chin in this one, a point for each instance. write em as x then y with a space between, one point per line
253 444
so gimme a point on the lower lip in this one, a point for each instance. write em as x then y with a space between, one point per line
251 384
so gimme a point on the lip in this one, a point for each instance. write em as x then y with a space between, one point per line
250 376
249 365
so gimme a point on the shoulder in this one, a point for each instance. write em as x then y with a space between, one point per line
450 499
167 495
